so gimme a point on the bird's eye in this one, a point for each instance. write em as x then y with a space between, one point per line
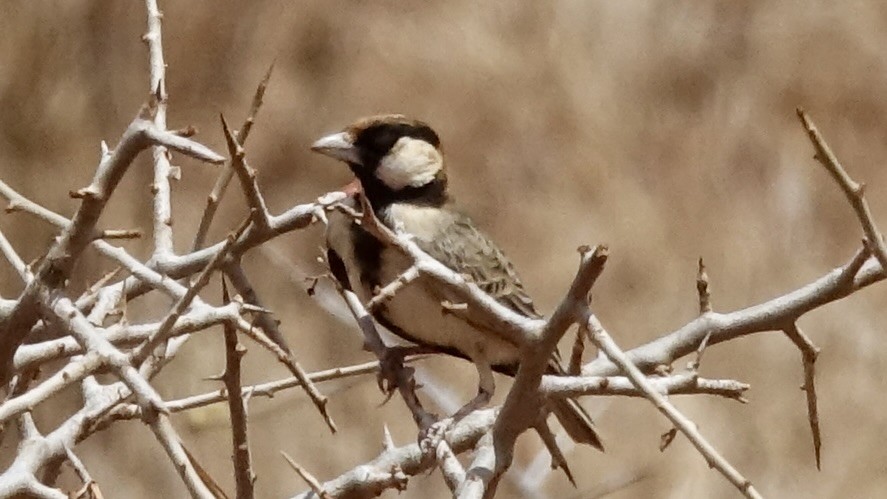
379 139
376 141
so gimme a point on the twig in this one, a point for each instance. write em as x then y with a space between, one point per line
227 172
162 216
269 389
854 191
247 177
184 302
317 398
90 487
170 442
14 259
120 234
392 468
234 351
450 467
677 384
64 377
702 288
809 352
516 415
204 475
297 217
264 319
575 366
605 343
58 263
308 477
388 291
771 315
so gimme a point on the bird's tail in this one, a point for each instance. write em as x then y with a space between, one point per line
576 422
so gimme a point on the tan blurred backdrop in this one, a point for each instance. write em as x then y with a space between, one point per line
665 129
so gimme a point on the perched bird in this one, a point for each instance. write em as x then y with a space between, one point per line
400 166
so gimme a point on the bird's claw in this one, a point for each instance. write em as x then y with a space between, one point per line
432 435
390 369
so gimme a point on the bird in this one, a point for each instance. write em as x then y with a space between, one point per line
399 164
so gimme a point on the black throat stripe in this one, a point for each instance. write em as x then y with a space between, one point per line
368 253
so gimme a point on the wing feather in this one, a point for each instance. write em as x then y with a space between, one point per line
466 250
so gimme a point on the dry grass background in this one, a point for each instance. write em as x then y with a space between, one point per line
664 129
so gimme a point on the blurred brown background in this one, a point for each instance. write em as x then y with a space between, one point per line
664 129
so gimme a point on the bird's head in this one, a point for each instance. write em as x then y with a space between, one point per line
394 157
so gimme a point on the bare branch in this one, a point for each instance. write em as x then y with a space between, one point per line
58 263
185 301
605 343
702 288
387 292
392 468
247 177
809 352
771 315
855 192
234 351
308 477
450 467
575 366
678 384
14 259
224 178
163 244
66 376
120 234
269 389
297 217
516 415
317 398
89 485
168 438
264 319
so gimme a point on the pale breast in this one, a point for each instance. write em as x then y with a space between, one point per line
417 308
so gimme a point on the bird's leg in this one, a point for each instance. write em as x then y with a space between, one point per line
431 437
391 364
486 387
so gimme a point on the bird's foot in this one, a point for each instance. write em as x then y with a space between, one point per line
432 435
392 370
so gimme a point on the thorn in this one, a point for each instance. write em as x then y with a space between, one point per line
387 441
83 193
175 173
667 438
860 189
188 131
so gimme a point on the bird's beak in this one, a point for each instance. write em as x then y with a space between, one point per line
339 146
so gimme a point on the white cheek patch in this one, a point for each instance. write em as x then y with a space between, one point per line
410 163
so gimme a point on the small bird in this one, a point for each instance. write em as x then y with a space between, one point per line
400 166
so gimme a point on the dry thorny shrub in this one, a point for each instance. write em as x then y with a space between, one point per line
64 341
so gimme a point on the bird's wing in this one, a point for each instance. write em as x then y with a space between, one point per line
466 250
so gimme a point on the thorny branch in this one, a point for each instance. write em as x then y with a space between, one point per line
234 351
634 369
92 335
80 330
